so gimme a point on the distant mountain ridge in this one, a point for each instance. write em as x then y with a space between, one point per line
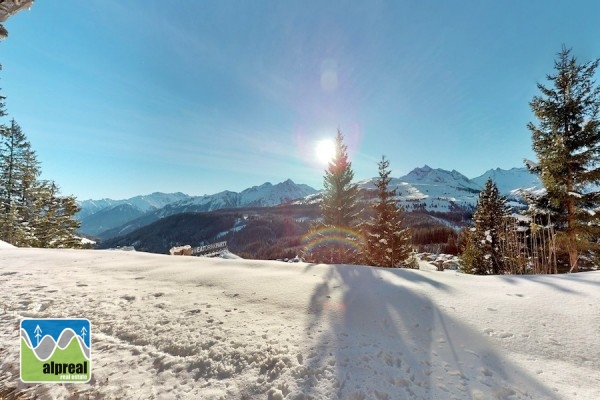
264 195
108 218
142 203
423 188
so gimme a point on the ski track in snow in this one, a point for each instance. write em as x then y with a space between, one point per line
183 327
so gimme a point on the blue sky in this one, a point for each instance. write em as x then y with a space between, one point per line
121 98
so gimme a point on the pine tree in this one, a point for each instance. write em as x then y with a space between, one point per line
18 171
472 255
53 224
31 211
340 207
483 255
567 144
387 242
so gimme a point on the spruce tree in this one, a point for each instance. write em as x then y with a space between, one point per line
337 234
340 206
31 211
18 171
482 254
387 242
53 224
567 143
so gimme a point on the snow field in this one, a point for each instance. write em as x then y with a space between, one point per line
184 327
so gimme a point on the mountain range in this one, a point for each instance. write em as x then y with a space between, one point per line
423 188
108 218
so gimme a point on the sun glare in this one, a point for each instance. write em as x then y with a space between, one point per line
325 150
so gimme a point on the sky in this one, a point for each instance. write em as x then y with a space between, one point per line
126 98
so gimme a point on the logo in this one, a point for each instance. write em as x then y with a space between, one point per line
56 350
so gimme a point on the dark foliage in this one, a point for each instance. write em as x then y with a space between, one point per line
566 141
177 230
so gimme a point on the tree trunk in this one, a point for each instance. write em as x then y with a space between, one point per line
571 233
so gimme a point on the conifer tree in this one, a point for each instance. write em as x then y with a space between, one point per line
340 208
472 254
18 171
567 143
31 211
482 254
387 242
53 224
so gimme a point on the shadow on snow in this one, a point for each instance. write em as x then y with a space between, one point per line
375 336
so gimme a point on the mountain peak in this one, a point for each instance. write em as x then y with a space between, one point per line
438 177
509 179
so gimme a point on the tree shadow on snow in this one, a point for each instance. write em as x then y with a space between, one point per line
373 335
557 282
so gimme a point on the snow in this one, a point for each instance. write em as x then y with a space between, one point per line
4 245
507 181
441 190
184 327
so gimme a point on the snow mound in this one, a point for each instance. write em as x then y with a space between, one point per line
211 328
4 245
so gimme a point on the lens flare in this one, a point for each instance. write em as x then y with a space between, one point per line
332 237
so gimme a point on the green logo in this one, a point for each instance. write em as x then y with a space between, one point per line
56 350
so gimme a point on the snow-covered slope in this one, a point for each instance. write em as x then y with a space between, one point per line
4 245
432 189
191 328
442 190
507 180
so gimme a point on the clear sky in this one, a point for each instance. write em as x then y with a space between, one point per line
121 98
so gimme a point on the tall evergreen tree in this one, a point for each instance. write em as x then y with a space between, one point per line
340 207
567 143
31 211
482 254
18 172
387 241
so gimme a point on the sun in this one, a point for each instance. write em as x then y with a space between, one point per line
325 150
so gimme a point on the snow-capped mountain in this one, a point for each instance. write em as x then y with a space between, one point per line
423 188
507 180
140 203
123 216
264 195
431 189
443 191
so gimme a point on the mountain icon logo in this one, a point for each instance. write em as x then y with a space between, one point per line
56 350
